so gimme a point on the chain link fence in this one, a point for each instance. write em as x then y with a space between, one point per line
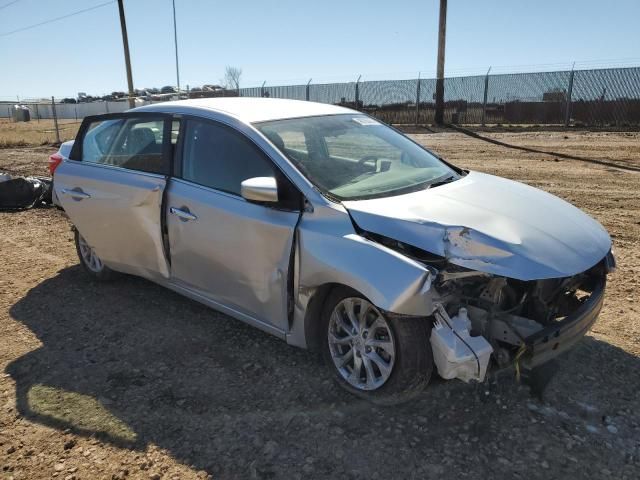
603 98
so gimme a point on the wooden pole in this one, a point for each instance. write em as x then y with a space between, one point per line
567 112
175 40
127 60
55 119
486 92
442 33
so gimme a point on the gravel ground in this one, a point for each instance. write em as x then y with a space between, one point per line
129 380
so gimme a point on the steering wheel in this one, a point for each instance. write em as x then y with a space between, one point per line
369 158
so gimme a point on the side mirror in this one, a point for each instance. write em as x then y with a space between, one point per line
259 189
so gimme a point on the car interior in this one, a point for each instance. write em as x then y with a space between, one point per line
314 159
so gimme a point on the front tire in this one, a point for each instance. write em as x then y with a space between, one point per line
383 359
90 261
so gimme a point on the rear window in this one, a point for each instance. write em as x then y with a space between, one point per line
131 143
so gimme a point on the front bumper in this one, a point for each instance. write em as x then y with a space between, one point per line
555 339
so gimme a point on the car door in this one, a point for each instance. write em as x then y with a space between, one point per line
232 252
112 187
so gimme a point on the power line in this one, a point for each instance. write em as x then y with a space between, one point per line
8 4
78 12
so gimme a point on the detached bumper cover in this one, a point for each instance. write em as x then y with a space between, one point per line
561 336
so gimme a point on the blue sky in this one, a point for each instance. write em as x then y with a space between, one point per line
286 42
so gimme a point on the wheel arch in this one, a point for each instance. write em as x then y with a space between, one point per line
313 313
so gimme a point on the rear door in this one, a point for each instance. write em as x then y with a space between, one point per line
112 189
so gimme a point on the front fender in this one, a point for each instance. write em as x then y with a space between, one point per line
388 279
329 251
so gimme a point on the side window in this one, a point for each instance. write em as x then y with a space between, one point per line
132 143
218 157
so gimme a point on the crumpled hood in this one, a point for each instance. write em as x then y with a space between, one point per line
490 224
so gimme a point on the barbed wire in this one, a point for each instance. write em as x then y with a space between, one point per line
589 97
424 74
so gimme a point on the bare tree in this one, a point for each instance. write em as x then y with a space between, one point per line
231 78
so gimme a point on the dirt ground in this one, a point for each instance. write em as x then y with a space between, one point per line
128 380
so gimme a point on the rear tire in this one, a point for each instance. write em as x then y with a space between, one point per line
381 358
90 261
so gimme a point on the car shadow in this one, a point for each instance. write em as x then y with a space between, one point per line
134 364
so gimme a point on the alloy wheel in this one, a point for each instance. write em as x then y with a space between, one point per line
89 256
361 343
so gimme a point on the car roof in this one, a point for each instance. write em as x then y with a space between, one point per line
251 109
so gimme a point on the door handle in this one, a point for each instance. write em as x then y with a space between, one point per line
184 215
75 194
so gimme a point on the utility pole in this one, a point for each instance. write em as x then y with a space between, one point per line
442 33
175 39
567 112
127 60
486 92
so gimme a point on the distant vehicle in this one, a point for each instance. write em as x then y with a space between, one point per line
211 88
332 231
168 89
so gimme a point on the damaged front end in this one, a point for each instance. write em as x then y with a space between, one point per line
482 319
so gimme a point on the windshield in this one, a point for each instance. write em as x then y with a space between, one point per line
354 156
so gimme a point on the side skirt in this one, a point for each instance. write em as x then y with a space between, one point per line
243 317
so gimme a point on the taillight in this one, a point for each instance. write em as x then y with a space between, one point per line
54 161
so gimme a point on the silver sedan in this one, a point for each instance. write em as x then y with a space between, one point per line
324 227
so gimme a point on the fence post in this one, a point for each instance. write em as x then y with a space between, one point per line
358 92
55 119
567 111
418 101
37 113
486 91
262 88
307 92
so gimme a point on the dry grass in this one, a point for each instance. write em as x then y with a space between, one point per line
35 132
